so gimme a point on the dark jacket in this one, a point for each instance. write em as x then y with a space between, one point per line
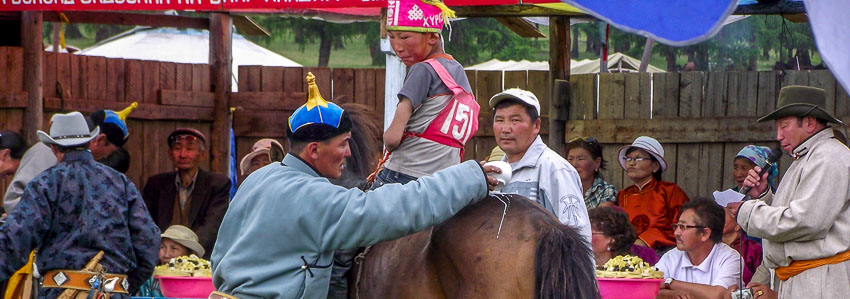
208 203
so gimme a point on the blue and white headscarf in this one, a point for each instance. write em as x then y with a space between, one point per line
758 155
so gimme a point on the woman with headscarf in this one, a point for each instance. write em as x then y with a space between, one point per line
748 158
733 235
652 204
585 154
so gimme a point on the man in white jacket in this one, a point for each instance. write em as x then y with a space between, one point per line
539 173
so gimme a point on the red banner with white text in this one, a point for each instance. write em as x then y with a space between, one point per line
220 5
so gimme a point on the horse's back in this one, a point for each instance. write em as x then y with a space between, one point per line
462 257
476 259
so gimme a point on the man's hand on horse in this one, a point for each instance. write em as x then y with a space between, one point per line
491 181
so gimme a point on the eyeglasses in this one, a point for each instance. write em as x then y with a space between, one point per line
685 226
636 159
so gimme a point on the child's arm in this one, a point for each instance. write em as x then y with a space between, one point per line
393 135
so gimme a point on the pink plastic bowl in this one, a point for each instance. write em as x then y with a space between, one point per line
631 288
186 287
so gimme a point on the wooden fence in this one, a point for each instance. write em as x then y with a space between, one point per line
170 95
702 119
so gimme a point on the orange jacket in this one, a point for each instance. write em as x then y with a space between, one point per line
653 210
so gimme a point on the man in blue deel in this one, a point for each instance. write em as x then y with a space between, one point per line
280 232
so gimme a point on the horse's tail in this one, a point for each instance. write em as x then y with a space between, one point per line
562 264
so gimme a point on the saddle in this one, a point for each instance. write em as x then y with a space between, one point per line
90 282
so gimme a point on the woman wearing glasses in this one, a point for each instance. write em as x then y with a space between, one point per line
653 205
585 154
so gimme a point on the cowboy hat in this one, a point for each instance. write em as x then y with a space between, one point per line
68 130
184 236
648 144
801 101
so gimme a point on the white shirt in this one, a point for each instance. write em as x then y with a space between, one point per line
720 268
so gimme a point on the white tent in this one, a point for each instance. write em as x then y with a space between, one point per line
182 46
617 62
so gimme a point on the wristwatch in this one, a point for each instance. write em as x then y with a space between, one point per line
667 282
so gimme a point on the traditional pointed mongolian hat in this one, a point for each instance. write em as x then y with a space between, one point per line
114 124
317 119
417 15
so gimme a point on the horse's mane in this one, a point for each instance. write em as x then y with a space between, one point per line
365 144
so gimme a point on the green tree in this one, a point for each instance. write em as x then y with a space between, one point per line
330 36
473 40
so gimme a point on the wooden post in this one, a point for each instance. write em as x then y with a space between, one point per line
33 60
221 33
559 69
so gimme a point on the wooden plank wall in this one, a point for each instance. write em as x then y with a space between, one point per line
268 95
486 84
698 161
11 84
88 83
178 95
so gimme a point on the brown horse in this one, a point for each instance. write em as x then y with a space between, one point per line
478 253
533 256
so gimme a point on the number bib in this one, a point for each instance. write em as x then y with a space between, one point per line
458 121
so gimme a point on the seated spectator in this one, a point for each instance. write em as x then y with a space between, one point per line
177 241
748 158
190 196
260 155
611 233
736 238
585 154
496 154
700 265
653 205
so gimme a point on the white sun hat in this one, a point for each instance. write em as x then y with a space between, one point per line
648 144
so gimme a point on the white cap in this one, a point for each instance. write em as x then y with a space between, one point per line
524 96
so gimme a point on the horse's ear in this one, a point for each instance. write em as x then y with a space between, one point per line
276 153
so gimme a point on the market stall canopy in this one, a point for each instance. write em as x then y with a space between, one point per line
617 63
182 46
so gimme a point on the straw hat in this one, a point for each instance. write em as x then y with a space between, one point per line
184 236
68 130
648 144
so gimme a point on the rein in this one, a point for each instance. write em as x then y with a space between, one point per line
507 203
359 259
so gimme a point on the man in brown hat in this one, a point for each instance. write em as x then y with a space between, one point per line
805 225
189 196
